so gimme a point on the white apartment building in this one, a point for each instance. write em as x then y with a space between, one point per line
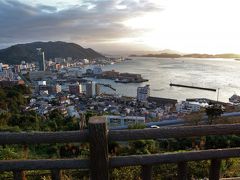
115 121
187 107
143 93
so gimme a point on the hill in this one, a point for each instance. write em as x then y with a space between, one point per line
163 55
229 55
27 52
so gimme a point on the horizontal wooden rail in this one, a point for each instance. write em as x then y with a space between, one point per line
177 157
43 164
98 136
120 161
43 137
118 135
174 132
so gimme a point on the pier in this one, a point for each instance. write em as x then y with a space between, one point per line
193 87
107 85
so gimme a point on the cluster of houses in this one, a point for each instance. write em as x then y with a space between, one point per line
67 91
78 98
8 77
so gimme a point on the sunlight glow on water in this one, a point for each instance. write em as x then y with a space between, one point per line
211 73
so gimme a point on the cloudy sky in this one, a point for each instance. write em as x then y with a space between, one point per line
205 26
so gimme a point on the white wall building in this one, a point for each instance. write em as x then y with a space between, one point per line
85 61
187 107
42 83
143 93
115 121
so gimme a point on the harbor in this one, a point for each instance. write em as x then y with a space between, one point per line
200 72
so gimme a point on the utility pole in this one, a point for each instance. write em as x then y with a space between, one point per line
217 94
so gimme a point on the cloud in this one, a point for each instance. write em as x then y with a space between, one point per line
89 22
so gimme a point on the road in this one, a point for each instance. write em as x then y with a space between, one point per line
163 123
174 122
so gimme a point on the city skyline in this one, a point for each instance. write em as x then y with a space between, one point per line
117 25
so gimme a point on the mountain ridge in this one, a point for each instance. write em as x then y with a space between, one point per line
53 49
194 55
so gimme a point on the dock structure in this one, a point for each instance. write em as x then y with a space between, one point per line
107 85
193 87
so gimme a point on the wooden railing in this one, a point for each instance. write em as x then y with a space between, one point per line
99 163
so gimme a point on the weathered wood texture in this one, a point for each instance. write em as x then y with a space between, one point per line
136 160
43 164
56 174
182 171
147 172
120 161
145 160
214 171
43 137
19 175
118 135
173 132
99 162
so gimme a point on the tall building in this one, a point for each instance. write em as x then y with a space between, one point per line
75 88
1 67
143 93
41 59
97 89
89 89
16 69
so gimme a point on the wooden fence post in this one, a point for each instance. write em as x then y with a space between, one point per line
182 171
56 174
214 171
99 160
19 175
146 172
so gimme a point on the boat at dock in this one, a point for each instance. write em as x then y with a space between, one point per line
122 81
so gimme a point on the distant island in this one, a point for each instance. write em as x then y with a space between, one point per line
195 55
27 52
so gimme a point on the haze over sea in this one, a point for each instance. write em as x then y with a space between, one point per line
211 73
